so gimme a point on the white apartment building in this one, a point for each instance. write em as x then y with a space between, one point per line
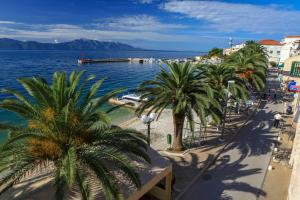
290 48
233 49
277 51
273 49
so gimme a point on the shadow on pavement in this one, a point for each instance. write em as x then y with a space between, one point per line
221 179
255 139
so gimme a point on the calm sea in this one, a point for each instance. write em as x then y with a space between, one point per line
14 64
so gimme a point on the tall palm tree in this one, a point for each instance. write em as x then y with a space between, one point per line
68 133
251 67
255 47
220 75
184 89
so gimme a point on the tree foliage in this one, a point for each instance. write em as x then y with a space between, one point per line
216 52
186 90
251 63
68 132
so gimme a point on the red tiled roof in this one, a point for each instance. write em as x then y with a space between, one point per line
269 42
292 36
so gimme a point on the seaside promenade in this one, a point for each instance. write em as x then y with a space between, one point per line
240 170
188 166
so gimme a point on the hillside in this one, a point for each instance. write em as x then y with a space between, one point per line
79 44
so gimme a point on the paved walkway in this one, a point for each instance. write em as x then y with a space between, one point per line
187 166
239 172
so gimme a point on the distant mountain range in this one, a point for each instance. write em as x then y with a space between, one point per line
79 44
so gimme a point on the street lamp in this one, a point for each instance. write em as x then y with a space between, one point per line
221 139
147 119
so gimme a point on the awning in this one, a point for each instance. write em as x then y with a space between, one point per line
280 65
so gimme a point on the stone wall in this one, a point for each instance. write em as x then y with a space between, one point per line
294 187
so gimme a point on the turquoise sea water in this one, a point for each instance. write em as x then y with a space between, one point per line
14 64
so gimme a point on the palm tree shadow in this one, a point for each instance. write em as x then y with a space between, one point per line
260 137
224 177
185 169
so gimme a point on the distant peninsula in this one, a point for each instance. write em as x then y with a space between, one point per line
79 44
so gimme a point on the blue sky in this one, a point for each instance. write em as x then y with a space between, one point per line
152 24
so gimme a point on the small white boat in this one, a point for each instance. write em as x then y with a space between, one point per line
150 60
132 97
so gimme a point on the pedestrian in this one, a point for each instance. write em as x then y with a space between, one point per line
275 96
277 119
265 96
289 110
269 98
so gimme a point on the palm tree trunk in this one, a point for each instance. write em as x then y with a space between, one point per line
178 121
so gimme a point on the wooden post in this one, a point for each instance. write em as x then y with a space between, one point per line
163 194
169 186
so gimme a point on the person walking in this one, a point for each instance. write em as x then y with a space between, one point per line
277 118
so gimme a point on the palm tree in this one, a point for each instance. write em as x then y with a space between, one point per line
255 47
250 66
220 75
69 134
184 89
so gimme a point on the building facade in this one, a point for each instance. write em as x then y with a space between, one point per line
291 71
273 49
233 49
290 48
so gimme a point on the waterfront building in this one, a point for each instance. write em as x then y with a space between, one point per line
233 49
273 48
290 47
291 71
291 68
294 186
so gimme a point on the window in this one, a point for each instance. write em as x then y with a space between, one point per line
271 52
278 52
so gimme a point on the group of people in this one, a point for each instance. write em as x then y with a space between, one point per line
278 117
269 97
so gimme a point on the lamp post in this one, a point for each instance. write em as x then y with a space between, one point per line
221 139
147 119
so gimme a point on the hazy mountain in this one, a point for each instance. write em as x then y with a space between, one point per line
80 44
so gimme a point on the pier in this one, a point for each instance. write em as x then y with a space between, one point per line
109 60
105 60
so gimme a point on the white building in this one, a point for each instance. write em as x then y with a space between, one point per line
291 47
233 49
273 49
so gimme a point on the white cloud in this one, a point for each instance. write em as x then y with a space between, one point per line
232 17
116 29
138 23
145 1
7 22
